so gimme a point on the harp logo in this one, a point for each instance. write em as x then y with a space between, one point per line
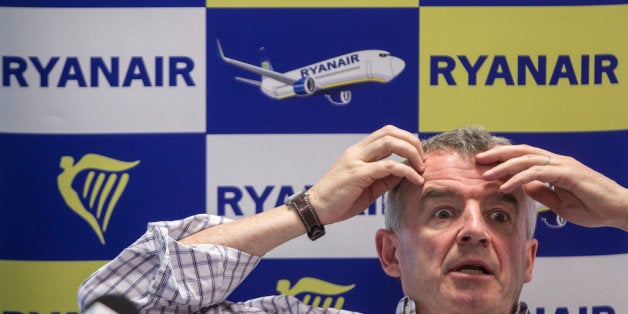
315 292
103 182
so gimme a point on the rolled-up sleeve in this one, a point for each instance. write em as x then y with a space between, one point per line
157 272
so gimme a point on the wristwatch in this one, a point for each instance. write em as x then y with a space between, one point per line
301 203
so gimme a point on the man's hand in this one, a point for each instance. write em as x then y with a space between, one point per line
363 173
357 179
569 188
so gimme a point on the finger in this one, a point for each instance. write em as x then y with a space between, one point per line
381 169
395 136
503 153
544 174
387 146
384 185
543 193
519 164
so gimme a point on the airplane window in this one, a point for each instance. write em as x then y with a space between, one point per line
383 55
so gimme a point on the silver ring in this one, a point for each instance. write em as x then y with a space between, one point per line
548 160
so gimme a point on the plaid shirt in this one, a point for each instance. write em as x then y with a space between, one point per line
160 275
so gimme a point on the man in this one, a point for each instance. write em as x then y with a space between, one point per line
459 227
472 243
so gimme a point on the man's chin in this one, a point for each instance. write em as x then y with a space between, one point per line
478 301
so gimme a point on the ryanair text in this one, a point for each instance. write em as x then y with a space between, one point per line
543 70
97 71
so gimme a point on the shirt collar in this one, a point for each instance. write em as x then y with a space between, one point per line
407 306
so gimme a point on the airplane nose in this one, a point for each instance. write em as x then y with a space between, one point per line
397 65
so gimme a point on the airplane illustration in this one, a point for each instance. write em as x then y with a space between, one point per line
332 77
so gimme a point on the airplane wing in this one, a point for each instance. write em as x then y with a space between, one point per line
259 70
248 81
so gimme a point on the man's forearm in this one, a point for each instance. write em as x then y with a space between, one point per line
256 235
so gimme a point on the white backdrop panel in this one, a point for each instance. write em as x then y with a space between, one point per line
64 99
578 284
272 161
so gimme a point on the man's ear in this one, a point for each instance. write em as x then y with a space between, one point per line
387 245
531 248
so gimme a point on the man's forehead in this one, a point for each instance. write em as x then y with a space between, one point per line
454 174
451 165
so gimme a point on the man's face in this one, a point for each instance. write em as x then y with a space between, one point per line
462 246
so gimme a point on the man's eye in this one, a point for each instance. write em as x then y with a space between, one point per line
499 216
444 213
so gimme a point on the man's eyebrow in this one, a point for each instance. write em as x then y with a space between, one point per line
435 193
504 197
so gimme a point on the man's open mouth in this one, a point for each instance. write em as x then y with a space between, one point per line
471 269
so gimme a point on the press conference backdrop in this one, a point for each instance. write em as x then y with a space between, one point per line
117 113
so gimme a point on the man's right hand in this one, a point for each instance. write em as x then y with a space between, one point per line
363 173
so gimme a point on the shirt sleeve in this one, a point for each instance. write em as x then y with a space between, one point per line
157 271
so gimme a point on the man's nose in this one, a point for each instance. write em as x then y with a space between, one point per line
474 229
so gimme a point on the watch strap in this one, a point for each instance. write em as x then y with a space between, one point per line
301 203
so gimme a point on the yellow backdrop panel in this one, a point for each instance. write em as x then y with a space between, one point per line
560 35
43 286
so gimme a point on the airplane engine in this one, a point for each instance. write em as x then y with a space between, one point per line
339 98
305 86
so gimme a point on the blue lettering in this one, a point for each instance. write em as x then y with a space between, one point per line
44 71
472 69
187 65
136 71
15 71
259 200
13 66
605 64
538 73
604 69
371 210
159 71
329 65
499 69
603 309
72 71
436 69
98 64
584 70
229 195
564 69
321 68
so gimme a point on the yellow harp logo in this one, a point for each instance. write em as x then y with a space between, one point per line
105 181
315 292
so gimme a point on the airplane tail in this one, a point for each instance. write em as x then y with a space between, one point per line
265 61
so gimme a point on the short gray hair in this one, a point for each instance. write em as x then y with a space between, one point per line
467 141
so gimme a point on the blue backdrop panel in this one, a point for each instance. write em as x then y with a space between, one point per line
294 38
168 183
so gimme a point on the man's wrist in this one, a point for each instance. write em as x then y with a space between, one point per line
301 204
